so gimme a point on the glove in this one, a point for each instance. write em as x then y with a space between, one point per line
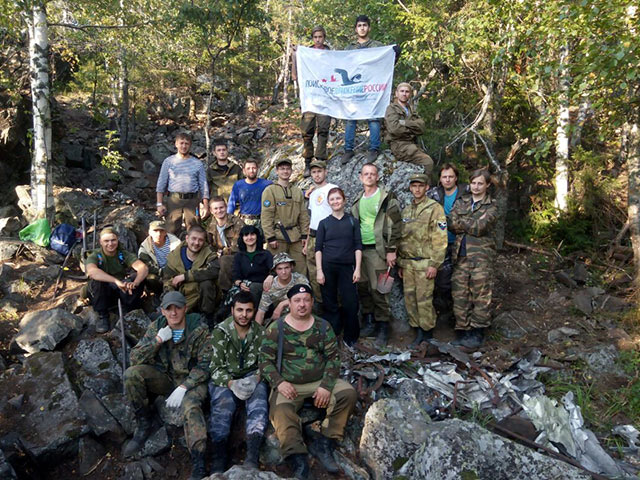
165 334
175 399
244 387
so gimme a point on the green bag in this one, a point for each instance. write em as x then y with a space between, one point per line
37 232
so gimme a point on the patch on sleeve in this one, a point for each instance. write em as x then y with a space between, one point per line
442 225
267 203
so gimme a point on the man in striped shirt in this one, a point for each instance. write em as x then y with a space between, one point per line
184 179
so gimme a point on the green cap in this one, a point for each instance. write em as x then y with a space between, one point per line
284 160
173 298
157 225
318 163
419 177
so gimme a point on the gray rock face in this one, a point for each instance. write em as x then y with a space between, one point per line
511 324
90 453
98 370
6 470
136 323
99 419
120 408
455 449
132 218
393 431
45 329
238 472
49 422
157 443
602 359
160 151
10 226
169 416
8 249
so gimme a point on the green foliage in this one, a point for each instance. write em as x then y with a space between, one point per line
110 157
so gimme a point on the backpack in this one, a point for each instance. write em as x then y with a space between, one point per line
63 238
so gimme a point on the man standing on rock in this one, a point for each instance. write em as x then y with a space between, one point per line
299 358
192 269
446 194
246 194
285 219
107 269
320 209
172 357
223 173
312 121
403 127
378 212
184 179
235 347
421 251
362 27
154 251
223 233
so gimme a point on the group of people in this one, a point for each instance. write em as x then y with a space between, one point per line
266 283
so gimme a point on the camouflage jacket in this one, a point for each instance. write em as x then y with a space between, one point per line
231 357
285 206
231 233
186 362
222 177
401 126
355 45
424 235
474 226
306 356
387 224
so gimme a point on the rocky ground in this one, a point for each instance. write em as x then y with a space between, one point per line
62 413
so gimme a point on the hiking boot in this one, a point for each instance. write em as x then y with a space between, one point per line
323 451
102 324
140 434
372 155
474 339
427 335
461 336
382 337
348 155
368 326
219 460
299 465
198 469
307 168
253 450
419 338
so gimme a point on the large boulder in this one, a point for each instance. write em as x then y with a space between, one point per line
456 449
393 431
238 472
47 420
44 330
133 218
99 419
97 369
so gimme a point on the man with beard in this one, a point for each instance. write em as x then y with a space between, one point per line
246 194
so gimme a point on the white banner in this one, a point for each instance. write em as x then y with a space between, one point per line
346 84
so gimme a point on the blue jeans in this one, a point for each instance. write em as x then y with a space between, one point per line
224 404
350 134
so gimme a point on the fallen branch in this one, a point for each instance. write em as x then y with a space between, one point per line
522 246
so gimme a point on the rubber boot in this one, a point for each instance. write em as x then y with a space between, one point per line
323 451
427 334
140 434
198 469
382 337
299 465
219 460
419 338
253 450
368 326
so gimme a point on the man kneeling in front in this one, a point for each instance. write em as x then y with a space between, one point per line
299 358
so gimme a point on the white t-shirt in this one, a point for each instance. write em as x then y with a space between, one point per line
319 205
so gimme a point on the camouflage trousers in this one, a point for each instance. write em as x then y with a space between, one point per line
223 407
313 270
410 152
418 298
309 124
471 289
283 414
371 300
144 381
294 249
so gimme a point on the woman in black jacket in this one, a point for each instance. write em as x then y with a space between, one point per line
252 263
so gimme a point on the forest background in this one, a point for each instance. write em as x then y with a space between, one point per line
546 94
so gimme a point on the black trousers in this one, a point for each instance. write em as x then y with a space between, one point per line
104 295
442 299
338 277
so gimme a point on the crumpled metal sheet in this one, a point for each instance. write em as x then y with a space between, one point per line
564 425
389 357
630 434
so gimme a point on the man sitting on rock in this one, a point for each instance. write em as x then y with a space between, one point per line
403 127
107 269
223 233
172 357
276 288
299 358
192 269
235 346
154 251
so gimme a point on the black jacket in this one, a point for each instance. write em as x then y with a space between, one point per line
437 193
256 271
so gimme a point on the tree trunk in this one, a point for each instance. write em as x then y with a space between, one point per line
207 123
41 183
124 101
631 144
562 133
287 59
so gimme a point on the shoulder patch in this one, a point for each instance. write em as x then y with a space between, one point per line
442 225
267 203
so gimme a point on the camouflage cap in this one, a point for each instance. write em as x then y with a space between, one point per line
299 288
282 161
318 163
419 177
282 257
158 225
173 298
108 231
